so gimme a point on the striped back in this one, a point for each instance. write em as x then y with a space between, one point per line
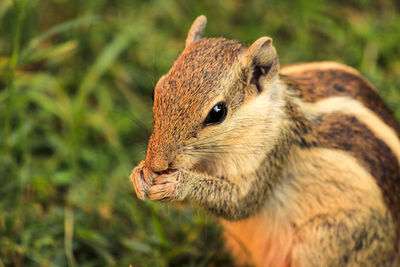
349 115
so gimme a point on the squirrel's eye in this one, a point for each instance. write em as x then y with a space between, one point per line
216 115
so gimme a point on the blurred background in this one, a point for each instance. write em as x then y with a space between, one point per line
75 114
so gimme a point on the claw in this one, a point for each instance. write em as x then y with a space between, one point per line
164 188
142 178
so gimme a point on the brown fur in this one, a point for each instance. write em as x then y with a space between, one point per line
346 133
251 241
196 72
313 84
311 188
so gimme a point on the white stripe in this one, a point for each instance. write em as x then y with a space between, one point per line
322 66
347 105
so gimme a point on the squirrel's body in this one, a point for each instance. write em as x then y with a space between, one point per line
303 166
350 136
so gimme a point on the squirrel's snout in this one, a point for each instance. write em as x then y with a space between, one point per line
157 164
159 157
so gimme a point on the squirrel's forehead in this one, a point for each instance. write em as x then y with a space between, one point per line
208 57
193 82
199 68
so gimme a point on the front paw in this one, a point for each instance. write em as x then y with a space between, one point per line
166 187
142 178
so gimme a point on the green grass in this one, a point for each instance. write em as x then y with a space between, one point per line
75 114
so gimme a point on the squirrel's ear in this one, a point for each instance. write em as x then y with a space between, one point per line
262 62
195 31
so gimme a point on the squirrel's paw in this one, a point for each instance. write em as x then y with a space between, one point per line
142 178
165 187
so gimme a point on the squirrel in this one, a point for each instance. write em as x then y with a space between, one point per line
300 162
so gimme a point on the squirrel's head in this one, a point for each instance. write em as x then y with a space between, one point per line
219 104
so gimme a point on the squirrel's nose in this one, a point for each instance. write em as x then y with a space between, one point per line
158 155
157 163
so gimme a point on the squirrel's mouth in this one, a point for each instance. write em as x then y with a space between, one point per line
167 171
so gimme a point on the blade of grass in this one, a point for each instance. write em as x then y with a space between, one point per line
60 28
158 226
4 6
21 6
103 62
68 236
53 53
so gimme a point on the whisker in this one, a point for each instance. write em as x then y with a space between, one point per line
210 151
224 147
138 123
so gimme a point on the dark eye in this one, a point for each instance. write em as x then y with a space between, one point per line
216 115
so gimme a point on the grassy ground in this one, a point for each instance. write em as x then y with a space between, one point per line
75 114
